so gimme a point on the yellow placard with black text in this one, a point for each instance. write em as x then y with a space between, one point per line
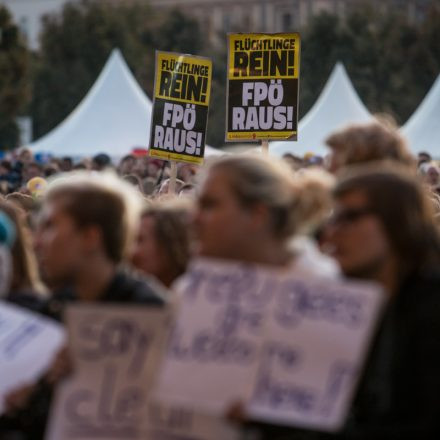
263 83
182 89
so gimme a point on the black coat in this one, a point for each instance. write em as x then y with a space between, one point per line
399 396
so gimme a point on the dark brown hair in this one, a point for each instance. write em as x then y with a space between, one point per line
361 143
402 206
172 230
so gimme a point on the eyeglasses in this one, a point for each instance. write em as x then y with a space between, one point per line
349 215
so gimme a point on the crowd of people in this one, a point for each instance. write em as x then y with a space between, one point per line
94 232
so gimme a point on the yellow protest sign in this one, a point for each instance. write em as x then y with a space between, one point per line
263 81
182 92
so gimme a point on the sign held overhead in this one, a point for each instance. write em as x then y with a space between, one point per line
263 81
180 114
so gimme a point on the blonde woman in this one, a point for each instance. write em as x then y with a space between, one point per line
251 207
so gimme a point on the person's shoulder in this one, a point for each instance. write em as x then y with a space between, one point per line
55 304
424 283
419 295
27 299
140 289
309 260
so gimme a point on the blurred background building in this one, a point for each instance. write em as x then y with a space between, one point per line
55 49
219 16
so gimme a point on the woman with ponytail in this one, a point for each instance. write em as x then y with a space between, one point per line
250 208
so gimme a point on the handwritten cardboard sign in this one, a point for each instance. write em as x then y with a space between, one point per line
28 343
184 423
216 341
289 347
116 350
315 341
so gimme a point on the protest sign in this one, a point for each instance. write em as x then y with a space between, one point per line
182 89
178 423
115 351
262 88
28 343
315 342
289 347
216 341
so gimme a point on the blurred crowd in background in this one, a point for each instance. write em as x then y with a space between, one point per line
113 232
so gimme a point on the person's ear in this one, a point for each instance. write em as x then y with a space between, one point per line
92 238
260 216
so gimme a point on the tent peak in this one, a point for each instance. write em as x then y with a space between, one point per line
340 73
116 54
113 117
422 128
338 105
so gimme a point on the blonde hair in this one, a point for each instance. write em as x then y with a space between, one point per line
104 200
314 190
295 202
360 143
25 273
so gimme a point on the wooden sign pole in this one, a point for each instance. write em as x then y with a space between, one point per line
173 176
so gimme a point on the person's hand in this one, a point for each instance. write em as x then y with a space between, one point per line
60 368
236 413
18 398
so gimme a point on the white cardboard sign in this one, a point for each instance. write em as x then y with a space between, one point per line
315 341
178 423
28 344
289 347
116 350
214 352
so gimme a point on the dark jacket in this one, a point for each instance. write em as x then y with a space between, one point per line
30 423
124 288
399 396
27 299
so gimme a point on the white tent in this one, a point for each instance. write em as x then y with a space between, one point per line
337 106
113 118
423 128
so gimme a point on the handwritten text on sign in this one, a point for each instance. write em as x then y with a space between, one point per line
177 423
290 347
28 343
216 342
116 350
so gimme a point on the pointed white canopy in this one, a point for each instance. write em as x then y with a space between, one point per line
337 106
113 118
423 128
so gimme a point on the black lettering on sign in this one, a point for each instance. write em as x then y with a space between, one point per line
264 63
182 86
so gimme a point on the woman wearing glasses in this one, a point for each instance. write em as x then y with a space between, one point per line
383 229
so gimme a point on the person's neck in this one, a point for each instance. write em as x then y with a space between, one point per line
94 279
269 251
388 275
168 278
